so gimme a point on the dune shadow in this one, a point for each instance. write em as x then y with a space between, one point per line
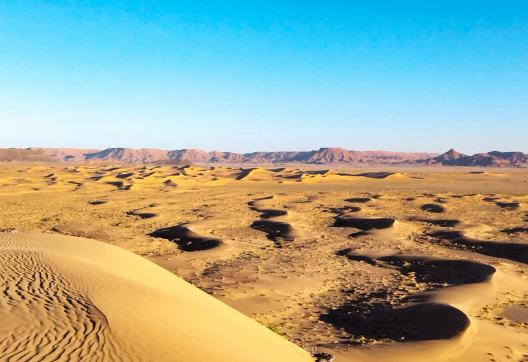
344 209
515 230
272 222
363 223
507 250
377 175
440 273
96 202
413 317
438 222
125 175
142 215
186 239
276 230
120 185
438 209
514 205
358 199
418 322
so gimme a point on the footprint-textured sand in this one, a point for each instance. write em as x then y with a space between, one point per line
364 264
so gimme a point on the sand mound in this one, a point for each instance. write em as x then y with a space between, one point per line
187 239
344 210
358 199
388 315
120 185
169 183
508 205
437 209
383 175
125 175
97 202
364 223
447 223
441 272
142 214
276 230
500 249
253 174
420 322
68 298
515 230
274 222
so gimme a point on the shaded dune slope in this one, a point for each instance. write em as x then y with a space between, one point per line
500 249
187 239
413 317
364 223
274 222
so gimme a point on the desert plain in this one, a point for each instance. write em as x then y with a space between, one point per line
293 263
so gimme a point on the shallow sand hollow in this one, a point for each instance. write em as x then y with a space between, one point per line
68 298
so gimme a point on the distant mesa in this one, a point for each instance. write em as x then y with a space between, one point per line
182 156
451 155
322 156
18 154
490 159
127 155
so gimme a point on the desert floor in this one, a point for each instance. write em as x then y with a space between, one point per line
368 265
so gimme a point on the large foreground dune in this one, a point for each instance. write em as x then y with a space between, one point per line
66 298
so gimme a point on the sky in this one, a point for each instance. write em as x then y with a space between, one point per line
265 75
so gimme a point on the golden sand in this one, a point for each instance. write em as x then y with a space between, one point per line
356 263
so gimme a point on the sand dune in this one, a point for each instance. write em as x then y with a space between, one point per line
187 239
275 222
501 249
410 314
437 209
364 223
74 299
439 222
383 175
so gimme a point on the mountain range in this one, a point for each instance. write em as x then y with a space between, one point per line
490 159
321 156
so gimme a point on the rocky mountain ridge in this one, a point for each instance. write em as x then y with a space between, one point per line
323 156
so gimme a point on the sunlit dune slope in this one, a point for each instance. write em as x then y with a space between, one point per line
67 298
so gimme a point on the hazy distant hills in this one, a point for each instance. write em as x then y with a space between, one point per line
321 156
490 159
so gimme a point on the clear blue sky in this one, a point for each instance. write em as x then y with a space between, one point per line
265 75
